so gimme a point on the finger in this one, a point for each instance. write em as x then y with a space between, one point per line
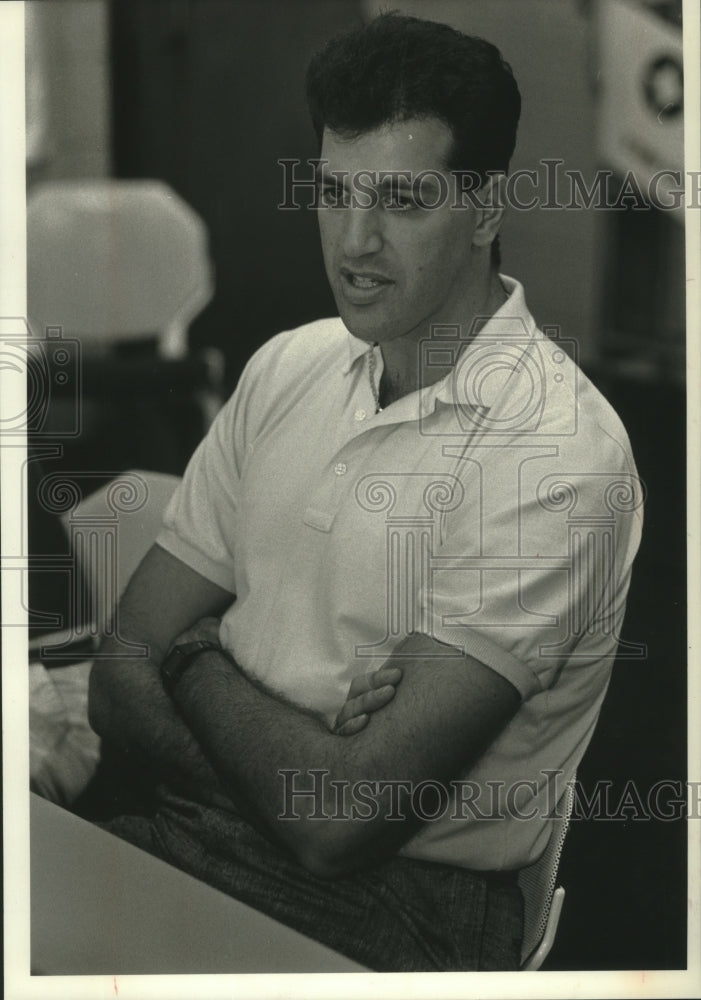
371 701
210 626
359 685
352 726
385 675
345 715
350 710
375 679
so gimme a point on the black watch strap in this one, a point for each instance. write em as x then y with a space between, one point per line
180 658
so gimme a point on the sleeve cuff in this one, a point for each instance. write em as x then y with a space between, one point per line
484 649
197 560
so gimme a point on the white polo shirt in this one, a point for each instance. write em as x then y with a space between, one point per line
497 510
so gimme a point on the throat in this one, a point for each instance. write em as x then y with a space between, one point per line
393 386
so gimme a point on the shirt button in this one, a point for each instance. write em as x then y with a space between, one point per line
340 468
360 414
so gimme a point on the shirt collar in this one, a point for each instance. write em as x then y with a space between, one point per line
484 362
356 349
509 329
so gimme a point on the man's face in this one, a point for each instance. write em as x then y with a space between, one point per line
395 267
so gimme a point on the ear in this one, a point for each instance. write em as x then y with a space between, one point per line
492 199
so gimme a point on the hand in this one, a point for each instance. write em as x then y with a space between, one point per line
206 629
367 694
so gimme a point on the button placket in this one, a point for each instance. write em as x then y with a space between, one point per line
339 477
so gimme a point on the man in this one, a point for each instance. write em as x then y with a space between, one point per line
421 486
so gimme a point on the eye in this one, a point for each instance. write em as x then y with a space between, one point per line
331 195
398 202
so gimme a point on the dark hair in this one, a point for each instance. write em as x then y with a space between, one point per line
398 67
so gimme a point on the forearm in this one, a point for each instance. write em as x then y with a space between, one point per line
128 705
252 738
448 709
129 708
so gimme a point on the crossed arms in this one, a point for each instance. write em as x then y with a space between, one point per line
222 732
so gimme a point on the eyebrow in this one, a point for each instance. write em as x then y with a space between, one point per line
393 179
337 177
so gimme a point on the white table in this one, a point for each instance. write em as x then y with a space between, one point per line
102 906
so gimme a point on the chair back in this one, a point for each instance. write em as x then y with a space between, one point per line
111 529
113 260
538 887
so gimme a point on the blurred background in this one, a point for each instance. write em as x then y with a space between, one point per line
205 97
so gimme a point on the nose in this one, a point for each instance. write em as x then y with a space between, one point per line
362 232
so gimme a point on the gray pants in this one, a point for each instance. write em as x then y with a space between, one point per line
401 916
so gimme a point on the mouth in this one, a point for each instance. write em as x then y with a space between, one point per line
364 279
363 282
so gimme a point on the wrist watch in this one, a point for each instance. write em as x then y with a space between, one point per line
182 657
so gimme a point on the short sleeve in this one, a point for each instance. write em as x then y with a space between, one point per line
201 521
536 576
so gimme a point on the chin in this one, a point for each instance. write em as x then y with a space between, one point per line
365 327
358 326
367 332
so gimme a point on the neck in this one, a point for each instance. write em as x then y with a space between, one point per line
402 375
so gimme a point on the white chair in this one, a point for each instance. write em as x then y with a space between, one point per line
542 900
115 260
110 530
117 523
116 266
